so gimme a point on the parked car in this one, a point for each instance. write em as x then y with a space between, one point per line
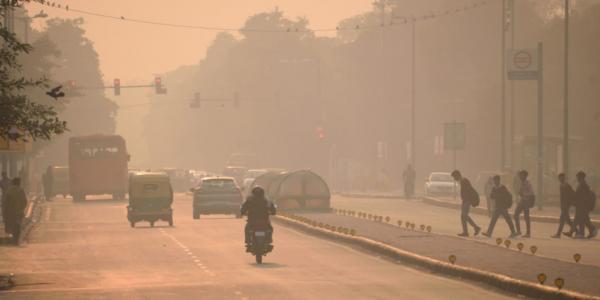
217 195
441 184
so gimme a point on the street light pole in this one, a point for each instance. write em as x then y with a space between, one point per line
503 89
565 157
412 97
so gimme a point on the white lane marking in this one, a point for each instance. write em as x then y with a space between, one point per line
338 245
188 252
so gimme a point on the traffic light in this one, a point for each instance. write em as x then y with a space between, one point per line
117 86
320 133
236 100
158 87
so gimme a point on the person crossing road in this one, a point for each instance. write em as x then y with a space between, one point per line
502 199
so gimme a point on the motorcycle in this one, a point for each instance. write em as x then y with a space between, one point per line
260 243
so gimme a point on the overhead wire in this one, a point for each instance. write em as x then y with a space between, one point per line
406 20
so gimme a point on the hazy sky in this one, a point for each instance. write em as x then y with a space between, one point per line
135 52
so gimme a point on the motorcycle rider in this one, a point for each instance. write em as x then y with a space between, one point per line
258 208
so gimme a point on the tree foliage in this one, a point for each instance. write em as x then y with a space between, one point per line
17 109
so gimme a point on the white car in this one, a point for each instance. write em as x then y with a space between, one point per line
440 184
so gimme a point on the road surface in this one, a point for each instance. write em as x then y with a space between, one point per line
83 250
447 221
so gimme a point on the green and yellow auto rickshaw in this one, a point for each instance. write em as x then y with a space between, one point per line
150 198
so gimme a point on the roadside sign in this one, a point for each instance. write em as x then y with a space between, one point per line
454 136
522 64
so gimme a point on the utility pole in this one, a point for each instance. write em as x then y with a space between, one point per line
511 3
565 157
503 88
412 96
540 126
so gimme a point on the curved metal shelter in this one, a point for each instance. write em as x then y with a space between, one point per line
301 189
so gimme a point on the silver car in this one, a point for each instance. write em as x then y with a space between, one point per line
440 184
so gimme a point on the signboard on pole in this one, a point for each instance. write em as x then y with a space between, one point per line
455 136
522 64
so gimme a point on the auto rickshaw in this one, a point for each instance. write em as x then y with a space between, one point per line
150 198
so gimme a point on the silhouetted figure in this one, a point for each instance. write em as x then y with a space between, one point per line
258 209
469 198
584 204
48 182
502 200
4 185
487 189
16 202
525 202
567 195
409 175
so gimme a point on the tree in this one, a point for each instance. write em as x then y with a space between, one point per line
17 110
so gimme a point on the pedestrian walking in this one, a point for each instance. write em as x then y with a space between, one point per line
567 195
16 202
502 199
525 202
48 183
585 202
4 185
487 189
469 198
409 175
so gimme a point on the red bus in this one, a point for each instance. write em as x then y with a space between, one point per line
98 166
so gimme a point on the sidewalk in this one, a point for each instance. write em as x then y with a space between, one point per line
469 253
547 215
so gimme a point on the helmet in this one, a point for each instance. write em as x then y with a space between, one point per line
258 191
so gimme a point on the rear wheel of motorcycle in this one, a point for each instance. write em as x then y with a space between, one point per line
258 258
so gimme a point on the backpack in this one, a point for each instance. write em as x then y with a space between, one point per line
474 197
592 200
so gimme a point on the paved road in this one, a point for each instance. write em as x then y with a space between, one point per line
88 250
447 221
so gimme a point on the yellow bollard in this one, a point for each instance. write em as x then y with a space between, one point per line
542 278
452 258
507 243
559 283
498 241
520 246
577 257
429 229
533 249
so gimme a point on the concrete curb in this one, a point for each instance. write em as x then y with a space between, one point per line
483 211
493 279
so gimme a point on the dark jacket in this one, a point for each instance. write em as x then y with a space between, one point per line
501 197
583 197
258 210
567 195
467 192
16 202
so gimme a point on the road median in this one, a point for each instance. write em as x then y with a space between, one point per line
399 244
